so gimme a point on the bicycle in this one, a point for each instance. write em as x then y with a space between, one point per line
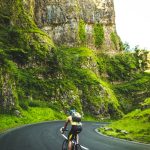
75 144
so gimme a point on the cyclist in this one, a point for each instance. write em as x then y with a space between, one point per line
75 120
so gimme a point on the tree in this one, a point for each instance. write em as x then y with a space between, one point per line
126 46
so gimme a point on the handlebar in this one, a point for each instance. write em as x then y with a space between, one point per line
62 129
62 132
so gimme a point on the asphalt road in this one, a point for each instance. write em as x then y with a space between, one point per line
46 136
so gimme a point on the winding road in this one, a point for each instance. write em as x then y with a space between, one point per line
46 136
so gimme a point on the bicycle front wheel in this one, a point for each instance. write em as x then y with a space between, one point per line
78 147
65 145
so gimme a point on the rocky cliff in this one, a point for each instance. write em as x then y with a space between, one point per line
32 68
74 22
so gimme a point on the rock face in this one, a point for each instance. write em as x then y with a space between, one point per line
34 69
7 98
61 20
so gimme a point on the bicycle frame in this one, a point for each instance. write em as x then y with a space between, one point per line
74 141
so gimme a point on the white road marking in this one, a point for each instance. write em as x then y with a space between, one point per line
84 147
67 138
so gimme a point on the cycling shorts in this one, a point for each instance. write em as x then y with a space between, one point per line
74 131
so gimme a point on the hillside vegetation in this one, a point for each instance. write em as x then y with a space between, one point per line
34 69
33 115
131 86
132 94
41 81
133 126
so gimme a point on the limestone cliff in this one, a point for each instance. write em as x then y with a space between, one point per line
63 20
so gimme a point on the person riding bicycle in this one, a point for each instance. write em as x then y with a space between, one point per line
75 120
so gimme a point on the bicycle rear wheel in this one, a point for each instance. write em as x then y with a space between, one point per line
78 147
65 145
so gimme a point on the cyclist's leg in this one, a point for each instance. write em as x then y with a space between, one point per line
70 136
69 145
77 138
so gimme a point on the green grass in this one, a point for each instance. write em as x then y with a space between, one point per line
33 115
89 117
132 93
136 123
146 102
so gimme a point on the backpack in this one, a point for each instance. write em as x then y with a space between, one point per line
76 117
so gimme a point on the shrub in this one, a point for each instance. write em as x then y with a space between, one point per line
114 39
98 35
35 103
23 105
82 34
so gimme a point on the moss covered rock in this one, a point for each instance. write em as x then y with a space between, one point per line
33 68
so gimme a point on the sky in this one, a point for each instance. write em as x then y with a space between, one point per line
133 22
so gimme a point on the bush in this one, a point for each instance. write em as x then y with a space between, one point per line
35 103
23 105
119 67
98 35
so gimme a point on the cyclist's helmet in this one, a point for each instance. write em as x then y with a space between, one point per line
72 111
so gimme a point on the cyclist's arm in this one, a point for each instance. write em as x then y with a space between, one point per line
66 123
65 126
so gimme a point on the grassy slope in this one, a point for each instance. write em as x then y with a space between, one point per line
137 125
32 115
36 111
79 67
133 95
